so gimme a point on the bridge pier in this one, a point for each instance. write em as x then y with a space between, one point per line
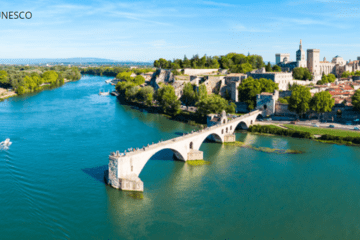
195 155
229 138
130 182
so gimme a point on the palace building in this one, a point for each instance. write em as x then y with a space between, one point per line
337 66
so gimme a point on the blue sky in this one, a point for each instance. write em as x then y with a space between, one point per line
148 30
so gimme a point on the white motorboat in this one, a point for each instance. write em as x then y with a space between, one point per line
108 81
104 93
6 143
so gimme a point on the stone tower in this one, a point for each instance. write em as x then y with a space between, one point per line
279 57
300 54
300 57
313 61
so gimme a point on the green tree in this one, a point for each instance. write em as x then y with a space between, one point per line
276 68
249 88
188 97
175 66
168 100
149 99
201 93
214 63
124 76
346 74
131 93
307 75
322 102
356 100
30 83
300 73
144 92
20 90
268 67
164 63
186 62
156 63
357 73
214 104
283 100
324 79
246 67
331 78
299 100
50 76
4 79
122 86
138 80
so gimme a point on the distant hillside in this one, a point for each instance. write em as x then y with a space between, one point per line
75 61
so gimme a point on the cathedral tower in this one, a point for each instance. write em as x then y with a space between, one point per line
300 57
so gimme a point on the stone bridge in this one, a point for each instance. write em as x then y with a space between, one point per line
125 168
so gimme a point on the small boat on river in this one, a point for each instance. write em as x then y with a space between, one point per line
114 93
6 143
104 93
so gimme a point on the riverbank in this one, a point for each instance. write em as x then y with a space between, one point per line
341 137
5 94
184 116
323 131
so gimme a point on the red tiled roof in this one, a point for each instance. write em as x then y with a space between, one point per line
355 61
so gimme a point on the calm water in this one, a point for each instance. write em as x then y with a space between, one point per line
51 178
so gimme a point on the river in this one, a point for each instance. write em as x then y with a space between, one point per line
51 177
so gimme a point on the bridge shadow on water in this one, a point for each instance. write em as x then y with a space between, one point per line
96 173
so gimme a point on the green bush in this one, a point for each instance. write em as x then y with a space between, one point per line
279 131
327 137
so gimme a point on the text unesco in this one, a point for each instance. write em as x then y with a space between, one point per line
16 15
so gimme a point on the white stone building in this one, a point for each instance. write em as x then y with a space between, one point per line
337 66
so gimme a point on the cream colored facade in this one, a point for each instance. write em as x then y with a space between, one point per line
337 66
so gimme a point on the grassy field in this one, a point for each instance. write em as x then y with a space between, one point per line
322 131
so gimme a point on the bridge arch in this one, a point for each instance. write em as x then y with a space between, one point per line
214 137
165 156
142 160
243 125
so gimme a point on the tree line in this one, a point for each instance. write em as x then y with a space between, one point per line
24 79
112 71
250 87
347 74
236 63
300 73
165 97
330 78
301 101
